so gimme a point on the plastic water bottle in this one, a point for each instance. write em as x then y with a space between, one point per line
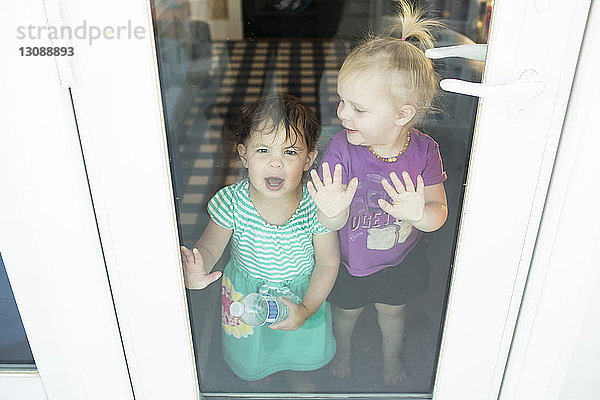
258 309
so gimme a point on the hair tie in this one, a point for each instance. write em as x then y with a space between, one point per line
403 39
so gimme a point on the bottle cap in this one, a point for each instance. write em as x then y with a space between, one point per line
237 309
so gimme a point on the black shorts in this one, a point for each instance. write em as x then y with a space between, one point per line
392 285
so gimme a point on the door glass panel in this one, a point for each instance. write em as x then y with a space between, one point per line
214 58
14 347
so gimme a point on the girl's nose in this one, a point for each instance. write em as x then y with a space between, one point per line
275 162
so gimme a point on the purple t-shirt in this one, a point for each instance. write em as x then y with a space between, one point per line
372 239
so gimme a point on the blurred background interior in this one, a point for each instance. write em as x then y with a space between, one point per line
216 55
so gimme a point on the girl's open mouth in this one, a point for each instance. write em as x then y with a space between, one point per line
274 183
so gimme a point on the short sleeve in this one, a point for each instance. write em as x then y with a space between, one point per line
315 226
334 154
434 169
318 229
220 208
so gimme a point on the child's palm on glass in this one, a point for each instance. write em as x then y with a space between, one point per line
330 195
194 273
408 202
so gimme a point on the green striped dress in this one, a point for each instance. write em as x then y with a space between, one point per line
279 256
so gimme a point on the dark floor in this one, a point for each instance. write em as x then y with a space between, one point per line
203 162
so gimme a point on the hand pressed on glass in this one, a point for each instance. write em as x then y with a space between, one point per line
408 202
330 195
194 273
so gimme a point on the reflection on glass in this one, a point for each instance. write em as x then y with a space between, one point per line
207 72
14 347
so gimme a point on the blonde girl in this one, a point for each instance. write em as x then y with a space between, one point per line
387 184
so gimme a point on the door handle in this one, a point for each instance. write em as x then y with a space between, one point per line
520 93
475 52
527 87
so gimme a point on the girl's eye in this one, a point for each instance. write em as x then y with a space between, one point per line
261 150
358 110
291 152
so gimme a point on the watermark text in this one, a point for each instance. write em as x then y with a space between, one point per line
82 32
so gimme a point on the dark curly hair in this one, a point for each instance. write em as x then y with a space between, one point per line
268 113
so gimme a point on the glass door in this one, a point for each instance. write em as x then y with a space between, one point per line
152 106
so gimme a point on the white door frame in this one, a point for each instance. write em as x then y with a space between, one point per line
117 101
555 352
48 234
511 164
488 280
119 112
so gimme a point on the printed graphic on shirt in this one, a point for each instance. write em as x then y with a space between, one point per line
388 237
232 325
383 230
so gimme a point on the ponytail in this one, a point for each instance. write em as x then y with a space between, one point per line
413 26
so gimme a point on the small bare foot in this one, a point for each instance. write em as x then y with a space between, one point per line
340 366
299 382
393 373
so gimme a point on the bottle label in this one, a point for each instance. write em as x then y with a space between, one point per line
272 310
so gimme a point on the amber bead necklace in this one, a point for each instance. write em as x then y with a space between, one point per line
391 159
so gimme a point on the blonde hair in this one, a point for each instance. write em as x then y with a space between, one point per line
398 56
